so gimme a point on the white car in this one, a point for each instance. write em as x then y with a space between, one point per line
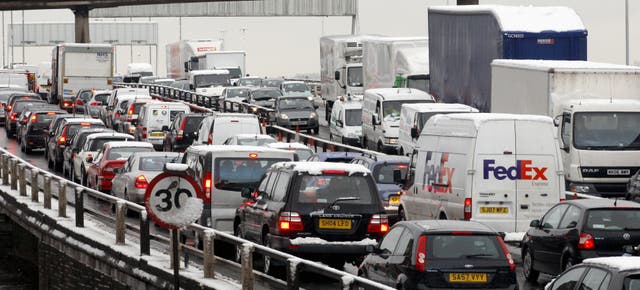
303 152
132 180
91 147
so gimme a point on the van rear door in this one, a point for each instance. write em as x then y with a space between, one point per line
537 189
494 180
224 128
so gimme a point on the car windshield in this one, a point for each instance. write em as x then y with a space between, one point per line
272 83
261 95
391 109
192 123
155 163
45 117
295 87
250 82
606 130
239 173
235 73
21 106
255 141
613 219
383 173
353 117
125 152
295 103
242 93
203 81
137 107
325 189
423 117
355 77
96 144
463 247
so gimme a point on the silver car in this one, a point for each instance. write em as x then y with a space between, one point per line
98 100
132 180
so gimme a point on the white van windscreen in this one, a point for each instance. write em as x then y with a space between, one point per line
238 173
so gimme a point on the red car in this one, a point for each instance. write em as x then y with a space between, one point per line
113 155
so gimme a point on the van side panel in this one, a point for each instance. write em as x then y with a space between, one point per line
224 128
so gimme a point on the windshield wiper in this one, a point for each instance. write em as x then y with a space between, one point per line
341 199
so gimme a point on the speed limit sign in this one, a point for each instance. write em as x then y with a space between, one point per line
173 201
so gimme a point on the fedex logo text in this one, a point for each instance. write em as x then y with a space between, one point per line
523 171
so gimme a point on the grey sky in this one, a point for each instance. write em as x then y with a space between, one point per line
289 45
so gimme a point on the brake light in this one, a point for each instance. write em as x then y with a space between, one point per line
290 222
84 124
181 131
65 104
34 117
62 140
512 265
132 130
144 135
51 113
130 112
586 242
562 200
210 139
206 184
467 208
79 102
402 166
141 182
94 104
378 224
117 115
12 117
9 107
253 155
334 172
421 254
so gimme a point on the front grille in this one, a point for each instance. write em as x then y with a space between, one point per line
611 187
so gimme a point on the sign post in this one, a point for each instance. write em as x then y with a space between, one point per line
173 201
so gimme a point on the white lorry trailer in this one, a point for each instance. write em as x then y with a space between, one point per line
232 61
596 107
179 55
76 66
140 69
396 62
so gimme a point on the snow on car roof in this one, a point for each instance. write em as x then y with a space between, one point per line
283 145
400 94
316 168
253 136
83 120
113 144
109 134
426 107
234 148
479 118
618 263
523 18
569 65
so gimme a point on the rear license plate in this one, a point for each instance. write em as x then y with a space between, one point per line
394 200
336 224
468 277
496 210
157 134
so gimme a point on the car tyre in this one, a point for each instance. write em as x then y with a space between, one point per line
238 248
527 267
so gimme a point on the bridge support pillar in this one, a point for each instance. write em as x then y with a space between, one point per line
81 14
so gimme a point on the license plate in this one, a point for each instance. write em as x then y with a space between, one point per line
394 200
618 171
496 210
157 134
336 224
468 277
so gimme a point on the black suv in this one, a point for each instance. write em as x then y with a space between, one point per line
440 254
316 210
34 131
19 106
579 229
181 133
62 138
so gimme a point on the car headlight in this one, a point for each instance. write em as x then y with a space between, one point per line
313 115
581 187
310 98
284 117
391 140
254 109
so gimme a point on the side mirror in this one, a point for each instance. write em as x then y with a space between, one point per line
89 159
397 176
534 224
246 193
557 120
165 128
339 123
374 119
414 132
336 75
117 170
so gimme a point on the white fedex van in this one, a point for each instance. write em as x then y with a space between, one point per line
153 117
499 169
381 116
413 117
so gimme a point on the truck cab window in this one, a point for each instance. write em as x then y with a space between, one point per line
565 130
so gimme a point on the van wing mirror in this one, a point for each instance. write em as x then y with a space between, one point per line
165 128
414 132
557 120
336 75
246 193
374 119
339 123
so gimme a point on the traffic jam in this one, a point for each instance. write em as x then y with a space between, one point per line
460 175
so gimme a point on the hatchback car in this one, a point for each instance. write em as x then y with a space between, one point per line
338 157
264 97
34 131
98 100
181 133
75 145
440 254
113 155
579 229
131 181
235 94
316 210
250 82
17 108
272 83
294 87
250 140
611 273
90 148
297 112
62 138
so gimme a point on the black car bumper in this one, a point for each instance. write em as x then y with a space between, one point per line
34 142
302 125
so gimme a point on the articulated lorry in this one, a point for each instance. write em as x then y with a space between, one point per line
232 61
76 66
179 55
396 62
463 40
596 107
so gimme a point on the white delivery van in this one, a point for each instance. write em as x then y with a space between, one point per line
499 169
226 125
345 124
153 117
225 170
202 134
413 117
381 116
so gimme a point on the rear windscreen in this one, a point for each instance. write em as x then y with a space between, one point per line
339 159
463 247
192 123
613 219
73 129
255 141
383 173
326 189
238 173
155 163
96 144
20 106
45 118
137 107
125 152
102 98
632 282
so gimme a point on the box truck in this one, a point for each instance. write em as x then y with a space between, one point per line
232 61
179 55
463 40
395 62
597 109
76 66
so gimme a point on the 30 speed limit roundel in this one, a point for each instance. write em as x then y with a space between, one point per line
173 201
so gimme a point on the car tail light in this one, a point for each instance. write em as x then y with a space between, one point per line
421 254
117 115
180 134
290 222
130 112
210 139
12 117
79 102
141 182
34 117
94 104
378 224
63 137
334 172
467 208
206 184
66 104
562 200
132 130
512 265
144 135
9 107
586 241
